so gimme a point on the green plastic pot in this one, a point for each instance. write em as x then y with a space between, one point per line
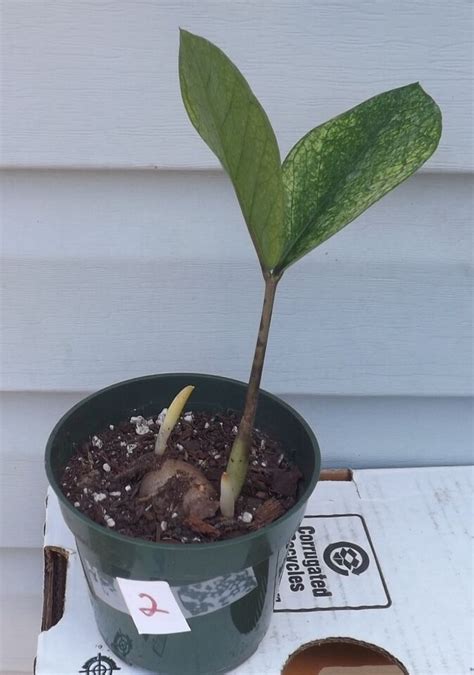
229 617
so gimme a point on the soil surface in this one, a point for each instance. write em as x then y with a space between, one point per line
103 479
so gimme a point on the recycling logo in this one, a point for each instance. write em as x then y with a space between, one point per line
346 558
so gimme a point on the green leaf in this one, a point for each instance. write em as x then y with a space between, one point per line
229 118
342 167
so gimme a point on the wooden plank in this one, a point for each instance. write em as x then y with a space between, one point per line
94 84
54 594
149 278
352 432
336 475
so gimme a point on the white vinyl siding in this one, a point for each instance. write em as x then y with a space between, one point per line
123 251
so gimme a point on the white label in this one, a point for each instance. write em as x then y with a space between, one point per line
331 564
153 607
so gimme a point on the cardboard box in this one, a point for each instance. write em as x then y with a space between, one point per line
378 581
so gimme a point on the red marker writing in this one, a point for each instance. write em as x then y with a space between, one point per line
153 609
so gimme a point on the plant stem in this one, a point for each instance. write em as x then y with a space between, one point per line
239 456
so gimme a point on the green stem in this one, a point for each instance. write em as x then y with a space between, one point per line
239 456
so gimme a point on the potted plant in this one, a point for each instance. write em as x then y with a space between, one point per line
210 517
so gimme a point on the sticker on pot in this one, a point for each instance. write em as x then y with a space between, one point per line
153 607
209 596
331 564
196 599
104 587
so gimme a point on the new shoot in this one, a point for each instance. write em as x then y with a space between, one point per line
172 416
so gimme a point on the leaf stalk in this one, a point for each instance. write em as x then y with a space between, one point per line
239 456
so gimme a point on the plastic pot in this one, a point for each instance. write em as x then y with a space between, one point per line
229 617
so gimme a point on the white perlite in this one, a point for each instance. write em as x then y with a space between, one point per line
99 496
235 431
207 425
128 488
110 522
106 467
247 517
96 442
164 525
131 447
188 417
161 417
77 505
179 447
115 494
111 427
141 425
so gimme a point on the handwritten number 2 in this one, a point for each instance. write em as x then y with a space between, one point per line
153 608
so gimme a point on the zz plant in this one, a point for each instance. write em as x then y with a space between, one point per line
332 174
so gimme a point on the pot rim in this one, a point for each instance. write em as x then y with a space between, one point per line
175 547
